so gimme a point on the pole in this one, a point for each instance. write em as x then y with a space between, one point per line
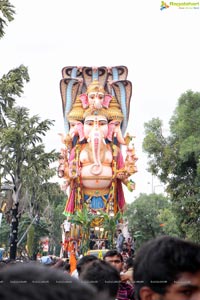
36 216
25 233
152 187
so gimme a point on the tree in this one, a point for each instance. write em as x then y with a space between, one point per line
53 198
22 155
176 161
11 86
36 232
12 83
23 161
42 205
4 234
7 11
146 217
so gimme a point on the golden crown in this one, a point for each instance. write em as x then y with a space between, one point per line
113 112
95 86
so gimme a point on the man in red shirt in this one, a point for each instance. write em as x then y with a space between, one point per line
125 290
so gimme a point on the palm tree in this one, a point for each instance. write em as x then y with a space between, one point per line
7 12
11 86
22 155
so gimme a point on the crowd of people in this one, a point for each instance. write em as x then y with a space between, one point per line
164 268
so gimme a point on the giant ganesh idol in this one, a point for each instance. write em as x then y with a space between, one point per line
96 103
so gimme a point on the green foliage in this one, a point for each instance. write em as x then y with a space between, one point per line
7 12
176 161
41 229
11 86
35 232
84 219
21 150
109 224
4 234
167 217
23 160
47 201
57 200
157 148
150 216
24 164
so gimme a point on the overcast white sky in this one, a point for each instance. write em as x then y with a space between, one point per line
160 48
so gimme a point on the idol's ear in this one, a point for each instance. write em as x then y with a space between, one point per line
114 130
106 101
111 127
79 126
84 100
76 129
119 136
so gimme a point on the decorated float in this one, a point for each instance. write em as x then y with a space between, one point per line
97 156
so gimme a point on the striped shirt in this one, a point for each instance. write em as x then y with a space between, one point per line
125 291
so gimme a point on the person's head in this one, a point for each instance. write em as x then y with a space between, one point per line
58 264
83 261
167 268
129 263
114 258
103 276
124 249
36 282
66 267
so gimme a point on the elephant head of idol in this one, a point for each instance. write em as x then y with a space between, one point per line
95 97
101 119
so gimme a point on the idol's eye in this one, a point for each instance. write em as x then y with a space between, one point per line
91 96
102 123
101 96
89 123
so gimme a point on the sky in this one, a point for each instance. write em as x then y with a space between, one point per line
160 48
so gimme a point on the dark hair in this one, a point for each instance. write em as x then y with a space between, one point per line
58 264
159 262
129 262
103 276
111 253
34 282
84 261
66 267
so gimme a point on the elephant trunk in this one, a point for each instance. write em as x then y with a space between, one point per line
96 167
